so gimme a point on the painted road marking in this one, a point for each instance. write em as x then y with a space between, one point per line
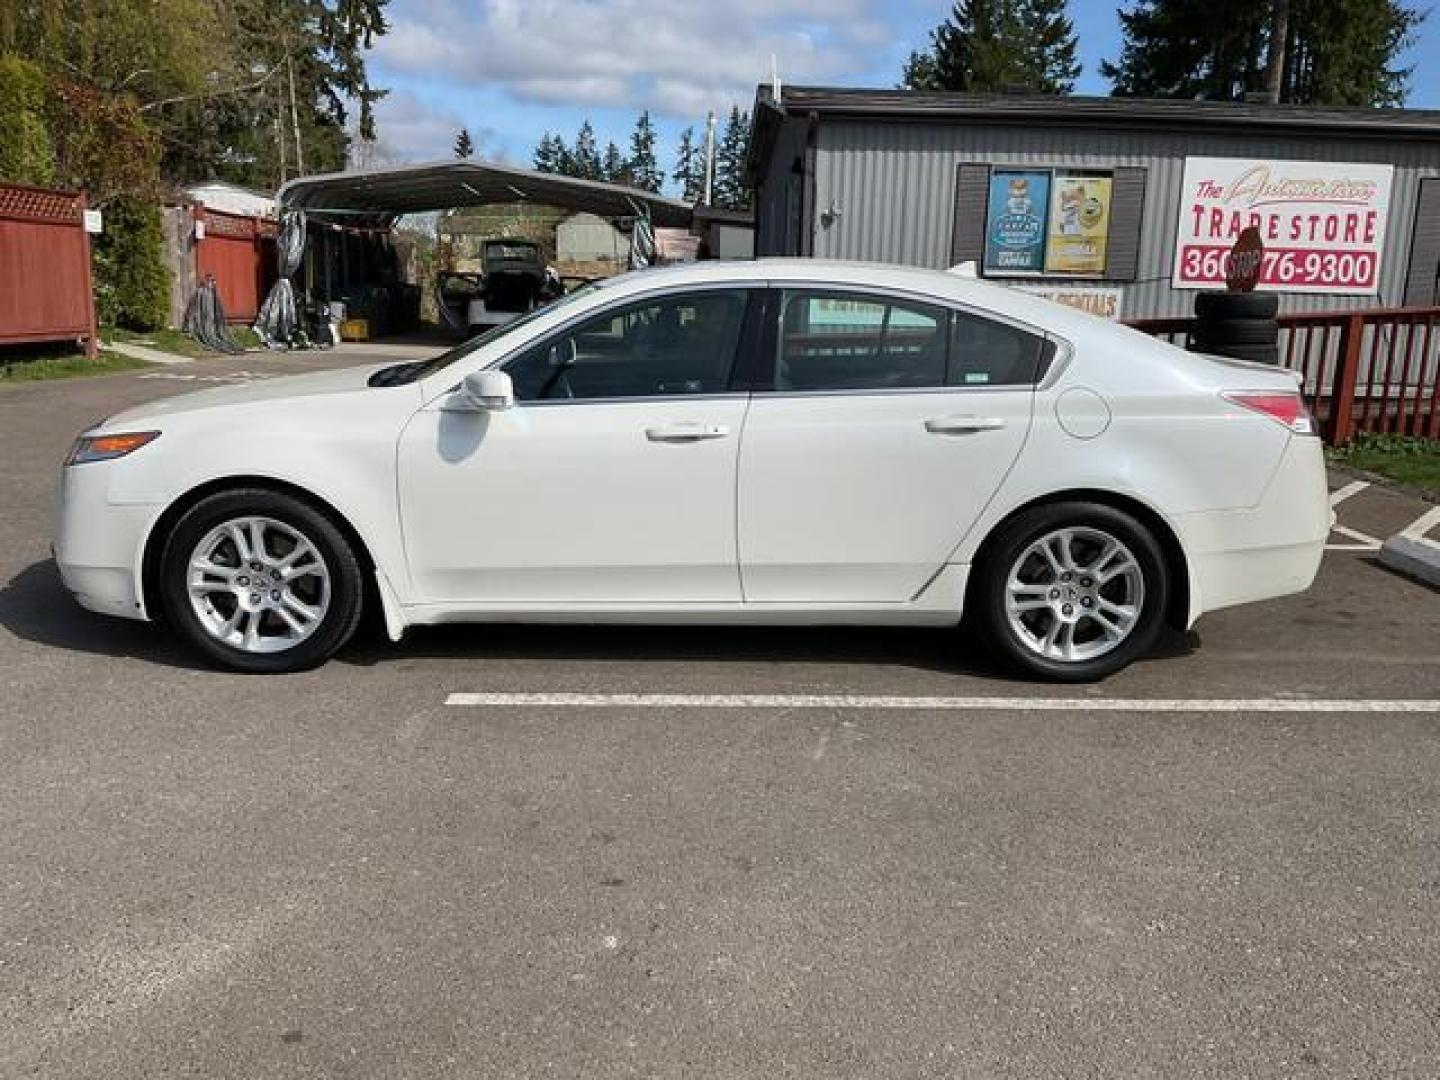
1363 541
1339 495
969 704
1417 529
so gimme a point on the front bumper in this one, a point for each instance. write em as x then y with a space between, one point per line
99 545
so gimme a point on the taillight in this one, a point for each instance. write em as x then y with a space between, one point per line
1284 408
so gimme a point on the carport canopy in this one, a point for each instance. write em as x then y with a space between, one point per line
376 197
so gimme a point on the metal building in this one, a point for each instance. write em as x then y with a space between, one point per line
1130 203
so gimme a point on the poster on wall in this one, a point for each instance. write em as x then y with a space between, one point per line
1079 223
1015 230
1322 223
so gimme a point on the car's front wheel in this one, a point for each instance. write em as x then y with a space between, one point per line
1071 591
260 581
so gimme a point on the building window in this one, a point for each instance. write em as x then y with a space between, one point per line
1047 223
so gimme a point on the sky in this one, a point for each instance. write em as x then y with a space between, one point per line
510 70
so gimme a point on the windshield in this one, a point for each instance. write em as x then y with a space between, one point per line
400 374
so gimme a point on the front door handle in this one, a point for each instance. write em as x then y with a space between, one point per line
682 433
963 425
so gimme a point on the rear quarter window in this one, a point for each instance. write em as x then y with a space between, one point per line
987 352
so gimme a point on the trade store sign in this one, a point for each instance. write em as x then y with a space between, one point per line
1015 226
1322 223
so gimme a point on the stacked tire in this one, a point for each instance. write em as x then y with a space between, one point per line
1237 324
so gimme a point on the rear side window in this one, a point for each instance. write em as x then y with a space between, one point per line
848 341
984 352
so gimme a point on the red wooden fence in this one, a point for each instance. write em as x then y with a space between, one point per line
1375 370
240 252
46 292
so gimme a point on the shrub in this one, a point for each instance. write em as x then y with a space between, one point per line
27 155
132 284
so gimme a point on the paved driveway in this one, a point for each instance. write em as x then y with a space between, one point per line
728 872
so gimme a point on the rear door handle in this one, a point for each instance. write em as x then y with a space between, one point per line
681 433
962 425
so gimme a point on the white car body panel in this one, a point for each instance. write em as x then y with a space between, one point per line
848 510
847 498
554 502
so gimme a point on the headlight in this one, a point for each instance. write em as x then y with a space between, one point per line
89 448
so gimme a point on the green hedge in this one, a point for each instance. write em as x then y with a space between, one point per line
27 155
132 285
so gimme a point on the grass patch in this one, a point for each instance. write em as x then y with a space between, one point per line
1407 459
245 337
33 367
177 341
171 341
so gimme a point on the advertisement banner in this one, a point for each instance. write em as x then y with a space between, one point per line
1101 301
1322 223
1079 223
1015 230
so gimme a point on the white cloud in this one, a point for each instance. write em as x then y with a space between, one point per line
410 129
676 57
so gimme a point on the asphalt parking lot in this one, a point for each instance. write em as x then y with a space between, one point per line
730 872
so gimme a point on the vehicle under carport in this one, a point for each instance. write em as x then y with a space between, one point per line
342 246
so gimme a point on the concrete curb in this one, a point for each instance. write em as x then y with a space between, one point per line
1413 556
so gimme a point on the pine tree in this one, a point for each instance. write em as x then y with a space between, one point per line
644 169
1336 52
613 166
689 172
732 191
550 153
464 145
584 160
986 46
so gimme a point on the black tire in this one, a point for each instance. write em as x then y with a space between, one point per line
988 597
346 579
1239 332
1236 305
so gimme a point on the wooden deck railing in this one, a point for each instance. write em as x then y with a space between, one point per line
1374 370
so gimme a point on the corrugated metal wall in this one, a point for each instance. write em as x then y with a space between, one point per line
885 191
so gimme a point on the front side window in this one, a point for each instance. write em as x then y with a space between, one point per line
848 341
674 345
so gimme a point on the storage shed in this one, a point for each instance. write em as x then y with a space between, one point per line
1126 205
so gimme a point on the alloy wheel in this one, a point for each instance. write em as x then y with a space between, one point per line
1074 594
258 584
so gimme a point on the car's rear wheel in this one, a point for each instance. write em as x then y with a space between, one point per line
1071 591
260 581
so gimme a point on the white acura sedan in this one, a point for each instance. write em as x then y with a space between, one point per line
767 442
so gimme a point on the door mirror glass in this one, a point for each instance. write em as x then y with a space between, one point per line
488 391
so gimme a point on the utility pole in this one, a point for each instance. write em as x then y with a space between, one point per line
710 158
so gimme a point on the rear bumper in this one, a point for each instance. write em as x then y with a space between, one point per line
99 545
1269 550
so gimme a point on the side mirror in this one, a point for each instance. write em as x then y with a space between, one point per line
488 391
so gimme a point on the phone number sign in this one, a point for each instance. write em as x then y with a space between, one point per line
1322 223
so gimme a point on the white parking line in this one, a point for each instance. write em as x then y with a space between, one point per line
963 704
1363 541
1339 495
1417 529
